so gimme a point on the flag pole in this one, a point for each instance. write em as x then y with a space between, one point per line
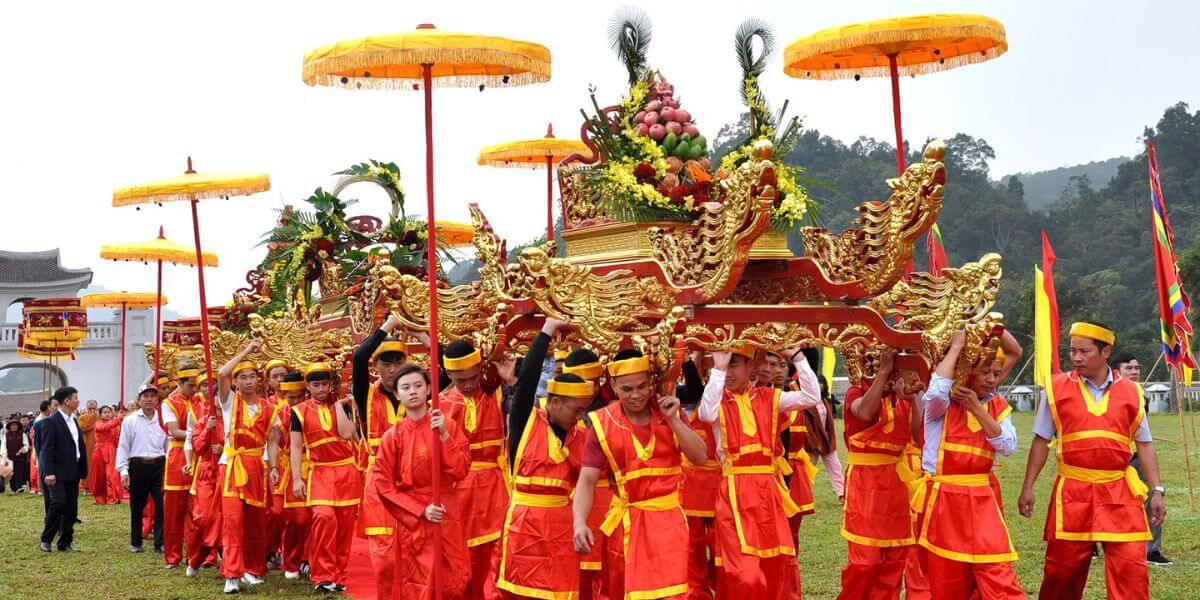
1183 436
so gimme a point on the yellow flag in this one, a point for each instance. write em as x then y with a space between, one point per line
1043 346
828 359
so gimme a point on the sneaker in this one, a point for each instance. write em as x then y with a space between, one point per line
1156 558
339 587
251 579
304 567
172 565
326 586
291 574
192 571
136 549
231 586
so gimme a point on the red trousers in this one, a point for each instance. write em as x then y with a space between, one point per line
330 532
485 569
702 568
873 573
274 517
294 537
243 539
175 512
967 581
383 562
916 580
1067 569
592 585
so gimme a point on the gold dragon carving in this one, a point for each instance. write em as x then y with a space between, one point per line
704 253
876 250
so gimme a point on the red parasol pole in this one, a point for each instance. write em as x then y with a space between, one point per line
203 301
121 391
158 322
549 198
896 113
434 354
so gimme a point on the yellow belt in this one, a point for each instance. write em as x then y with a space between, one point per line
1139 489
871 459
520 498
483 466
917 488
810 470
789 505
175 443
915 481
234 456
619 509
349 460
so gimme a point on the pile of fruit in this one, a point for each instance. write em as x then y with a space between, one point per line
664 122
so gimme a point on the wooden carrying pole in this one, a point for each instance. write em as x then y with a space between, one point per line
1183 437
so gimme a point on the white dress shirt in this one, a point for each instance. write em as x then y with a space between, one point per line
73 427
714 392
141 437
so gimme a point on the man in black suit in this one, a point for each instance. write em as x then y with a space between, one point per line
62 462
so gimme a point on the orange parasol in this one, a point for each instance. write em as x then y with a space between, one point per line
531 154
415 60
125 301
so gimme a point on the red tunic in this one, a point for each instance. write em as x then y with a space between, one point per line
334 478
751 489
403 478
245 476
174 479
877 507
537 557
381 416
206 497
1097 495
104 482
646 506
698 495
483 493
803 472
963 513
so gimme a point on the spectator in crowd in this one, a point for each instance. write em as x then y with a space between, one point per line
87 423
1127 365
141 458
45 409
16 450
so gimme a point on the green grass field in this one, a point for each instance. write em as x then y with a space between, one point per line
105 570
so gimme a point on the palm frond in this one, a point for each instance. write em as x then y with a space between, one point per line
629 35
743 41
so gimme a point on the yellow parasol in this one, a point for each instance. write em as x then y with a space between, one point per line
124 301
418 60
531 154
894 47
193 187
454 234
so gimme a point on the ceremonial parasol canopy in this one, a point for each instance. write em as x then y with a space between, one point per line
419 60
157 249
454 234
894 47
193 187
134 300
532 154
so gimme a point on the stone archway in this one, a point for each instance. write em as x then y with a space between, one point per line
25 385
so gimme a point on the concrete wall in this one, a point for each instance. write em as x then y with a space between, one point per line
96 370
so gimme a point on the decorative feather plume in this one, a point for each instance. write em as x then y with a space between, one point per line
629 35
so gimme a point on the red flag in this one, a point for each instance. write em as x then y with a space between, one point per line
1173 302
1048 259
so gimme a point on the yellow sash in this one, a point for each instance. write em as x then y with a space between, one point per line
1139 489
520 498
237 469
618 511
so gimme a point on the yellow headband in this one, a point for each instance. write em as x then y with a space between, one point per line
1094 332
999 354
292 386
629 366
314 368
590 371
186 373
561 354
463 363
274 362
162 381
746 350
573 390
390 346
244 365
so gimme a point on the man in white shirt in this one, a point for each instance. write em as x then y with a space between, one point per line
141 457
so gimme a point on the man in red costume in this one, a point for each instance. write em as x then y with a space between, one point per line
876 518
483 493
403 479
274 370
546 445
638 441
965 545
322 429
293 537
203 447
1095 415
177 479
756 542
251 424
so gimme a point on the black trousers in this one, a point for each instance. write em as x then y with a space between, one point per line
145 480
20 475
61 510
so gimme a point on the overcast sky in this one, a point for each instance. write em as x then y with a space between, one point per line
99 95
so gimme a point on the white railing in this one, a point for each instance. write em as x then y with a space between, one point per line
99 334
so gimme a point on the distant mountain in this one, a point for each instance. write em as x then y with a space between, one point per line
1044 187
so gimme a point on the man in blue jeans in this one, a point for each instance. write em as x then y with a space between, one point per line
1127 365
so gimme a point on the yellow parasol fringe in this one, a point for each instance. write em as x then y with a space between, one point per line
530 154
861 49
199 186
353 65
131 300
155 250
454 234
